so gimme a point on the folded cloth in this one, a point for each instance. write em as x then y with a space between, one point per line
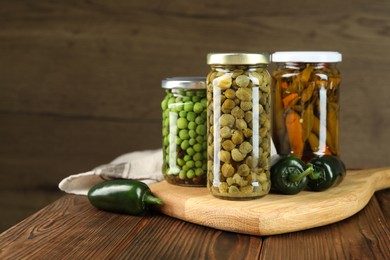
143 166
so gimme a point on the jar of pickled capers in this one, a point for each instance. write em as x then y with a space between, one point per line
306 103
184 131
238 105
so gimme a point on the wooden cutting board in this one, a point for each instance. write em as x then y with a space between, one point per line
274 213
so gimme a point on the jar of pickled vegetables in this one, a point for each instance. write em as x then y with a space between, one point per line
238 105
184 131
306 94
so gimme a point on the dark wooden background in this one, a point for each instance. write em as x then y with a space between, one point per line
80 80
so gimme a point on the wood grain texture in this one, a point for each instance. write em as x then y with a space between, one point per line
273 214
362 236
79 79
70 228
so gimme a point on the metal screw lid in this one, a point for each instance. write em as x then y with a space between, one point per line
184 82
237 58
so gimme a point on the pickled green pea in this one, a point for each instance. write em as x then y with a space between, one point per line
166 141
190 151
164 104
196 99
198 164
188 106
190 174
192 133
198 157
197 147
184 144
183 134
201 129
190 164
182 123
178 140
180 162
198 171
182 174
171 101
190 93
186 158
192 125
199 139
192 141
191 116
198 108
199 120
183 114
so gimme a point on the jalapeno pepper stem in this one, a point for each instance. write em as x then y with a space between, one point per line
150 199
314 175
297 178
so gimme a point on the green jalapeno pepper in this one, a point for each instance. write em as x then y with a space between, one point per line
328 172
122 196
289 174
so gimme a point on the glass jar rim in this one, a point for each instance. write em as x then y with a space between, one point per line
237 58
306 56
184 82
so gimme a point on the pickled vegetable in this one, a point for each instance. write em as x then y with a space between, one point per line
305 109
239 131
184 136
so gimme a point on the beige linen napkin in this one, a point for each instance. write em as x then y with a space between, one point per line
143 166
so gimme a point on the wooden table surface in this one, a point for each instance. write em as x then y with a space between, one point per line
70 228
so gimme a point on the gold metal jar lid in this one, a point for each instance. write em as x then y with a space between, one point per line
237 58
184 82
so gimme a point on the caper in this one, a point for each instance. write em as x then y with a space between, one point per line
246 105
233 189
244 94
237 112
227 170
248 116
241 124
226 132
242 81
243 170
228 104
224 156
245 147
228 145
223 187
237 155
230 93
226 120
237 137
247 132
224 82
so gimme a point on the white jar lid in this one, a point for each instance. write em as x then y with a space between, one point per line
306 56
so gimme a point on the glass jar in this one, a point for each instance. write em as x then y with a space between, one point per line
184 131
306 103
238 106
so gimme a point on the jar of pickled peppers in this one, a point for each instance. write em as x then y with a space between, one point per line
184 131
238 105
306 93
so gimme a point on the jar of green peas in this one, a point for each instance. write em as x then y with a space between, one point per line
184 132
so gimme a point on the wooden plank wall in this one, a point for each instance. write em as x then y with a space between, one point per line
80 80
